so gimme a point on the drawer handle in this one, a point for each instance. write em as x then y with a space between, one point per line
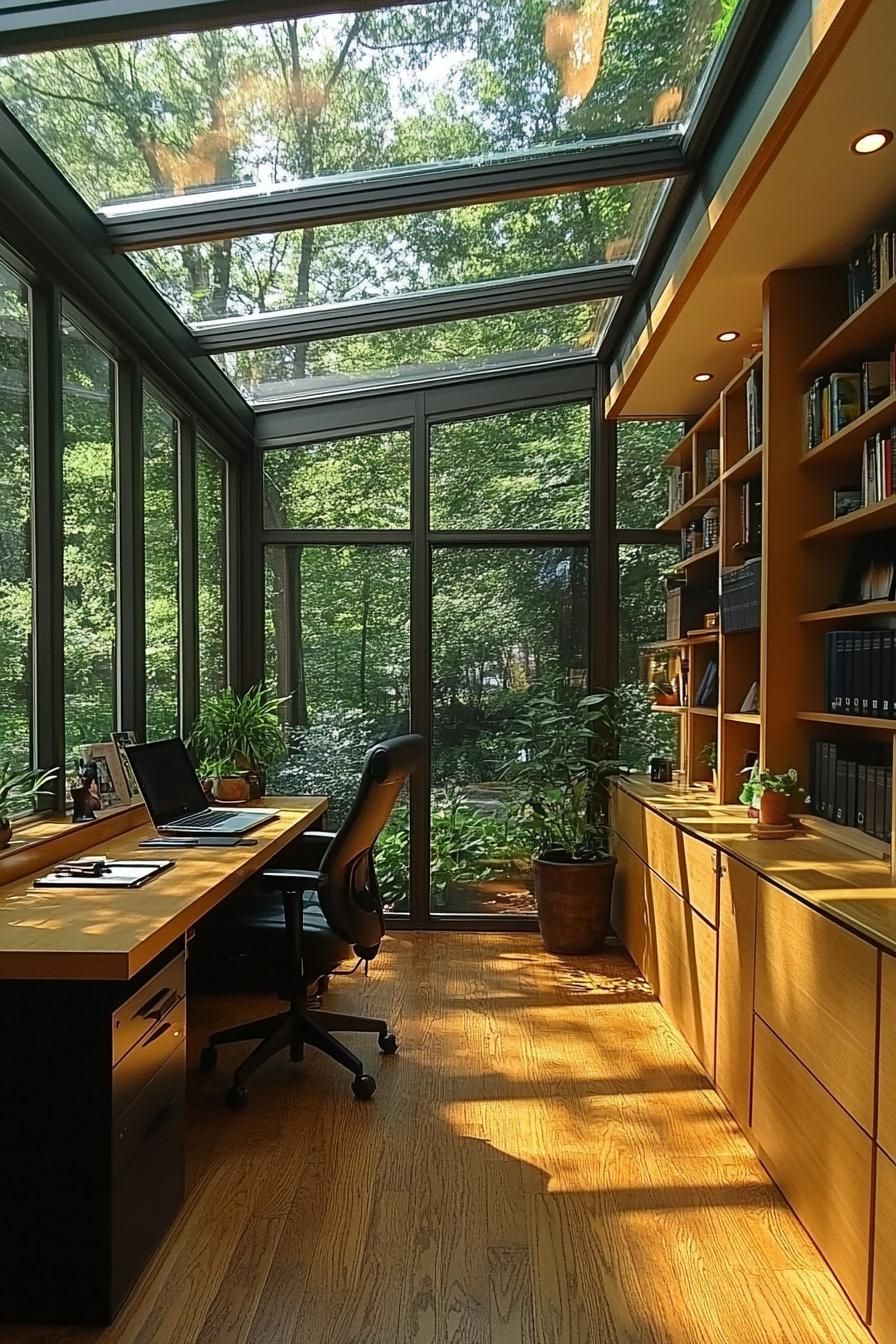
155 1009
157 1121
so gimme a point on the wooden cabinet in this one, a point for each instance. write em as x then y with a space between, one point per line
819 1157
700 876
737 953
631 913
627 819
883 1295
816 987
665 848
685 978
886 1123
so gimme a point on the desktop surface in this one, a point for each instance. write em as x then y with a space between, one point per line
110 935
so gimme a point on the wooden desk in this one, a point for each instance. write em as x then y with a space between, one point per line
92 1037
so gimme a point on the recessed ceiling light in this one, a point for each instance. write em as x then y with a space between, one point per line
872 141
726 336
703 377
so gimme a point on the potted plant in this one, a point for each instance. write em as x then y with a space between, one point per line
18 790
709 756
774 793
236 739
664 693
559 779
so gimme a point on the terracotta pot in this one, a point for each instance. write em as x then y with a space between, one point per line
5 834
573 901
774 808
665 698
232 789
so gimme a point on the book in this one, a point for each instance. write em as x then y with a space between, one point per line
876 382
754 410
845 400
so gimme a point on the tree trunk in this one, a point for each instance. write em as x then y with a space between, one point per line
365 621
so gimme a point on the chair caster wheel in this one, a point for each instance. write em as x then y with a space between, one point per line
364 1086
388 1043
208 1059
236 1096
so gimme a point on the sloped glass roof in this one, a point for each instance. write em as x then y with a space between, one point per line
292 105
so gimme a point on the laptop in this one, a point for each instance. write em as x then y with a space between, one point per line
175 799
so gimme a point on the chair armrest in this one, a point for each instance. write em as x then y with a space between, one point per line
307 850
296 879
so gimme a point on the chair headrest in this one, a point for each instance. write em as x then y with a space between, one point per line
396 758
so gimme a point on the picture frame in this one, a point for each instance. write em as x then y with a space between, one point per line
123 740
113 789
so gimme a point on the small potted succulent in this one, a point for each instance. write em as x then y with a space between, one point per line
774 793
19 789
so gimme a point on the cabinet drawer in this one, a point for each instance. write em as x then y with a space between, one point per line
148 1111
132 1073
737 956
148 1006
883 1296
631 917
886 1122
685 978
628 821
816 987
819 1157
701 880
665 849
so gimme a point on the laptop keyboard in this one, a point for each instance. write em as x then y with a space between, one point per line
206 822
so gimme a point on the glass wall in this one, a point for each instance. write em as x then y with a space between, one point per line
89 533
16 670
161 436
211 524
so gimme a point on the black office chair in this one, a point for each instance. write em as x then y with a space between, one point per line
323 909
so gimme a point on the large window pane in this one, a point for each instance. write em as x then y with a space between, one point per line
160 524
362 481
642 493
530 468
89 568
338 648
440 350
15 521
342 92
642 621
211 519
504 621
377 258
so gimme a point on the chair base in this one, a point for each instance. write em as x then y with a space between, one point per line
292 1030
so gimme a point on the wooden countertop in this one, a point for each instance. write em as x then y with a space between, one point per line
851 887
109 935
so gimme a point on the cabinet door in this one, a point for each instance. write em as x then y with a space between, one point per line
700 871
883 1299
631 915
686 969
737 954
886 1123
819 1157
665 849
816 987
628 821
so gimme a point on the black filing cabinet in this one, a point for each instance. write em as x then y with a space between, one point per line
91 1135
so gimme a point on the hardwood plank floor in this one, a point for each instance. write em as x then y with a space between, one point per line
543 1163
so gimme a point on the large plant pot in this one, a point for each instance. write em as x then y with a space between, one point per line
232 789
5 834
774 808
573 901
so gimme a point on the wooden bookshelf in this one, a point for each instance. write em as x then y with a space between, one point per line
849 441
710 554
699 503
872 518
704 711
848 721
832 615
745 467
743 718
870 328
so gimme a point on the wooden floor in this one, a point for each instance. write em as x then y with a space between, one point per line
543 1162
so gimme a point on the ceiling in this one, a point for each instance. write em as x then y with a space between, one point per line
811 205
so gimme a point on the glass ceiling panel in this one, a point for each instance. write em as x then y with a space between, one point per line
379 258
441 350
338 93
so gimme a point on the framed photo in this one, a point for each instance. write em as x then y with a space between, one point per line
122 740
113 787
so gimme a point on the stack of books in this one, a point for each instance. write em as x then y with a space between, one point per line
751 515
680 488
877 467
836 400
707 696
871 266
853 787
860 673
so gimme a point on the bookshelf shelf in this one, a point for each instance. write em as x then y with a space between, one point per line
740 379
873 516
835 614
870 328
681 453
841 446
848 720
695 561
707 496
704 711
687 642
746 467
743 718
667 709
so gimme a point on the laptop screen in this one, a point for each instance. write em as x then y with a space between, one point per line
167 780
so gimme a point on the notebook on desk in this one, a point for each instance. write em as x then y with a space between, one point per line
128 873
